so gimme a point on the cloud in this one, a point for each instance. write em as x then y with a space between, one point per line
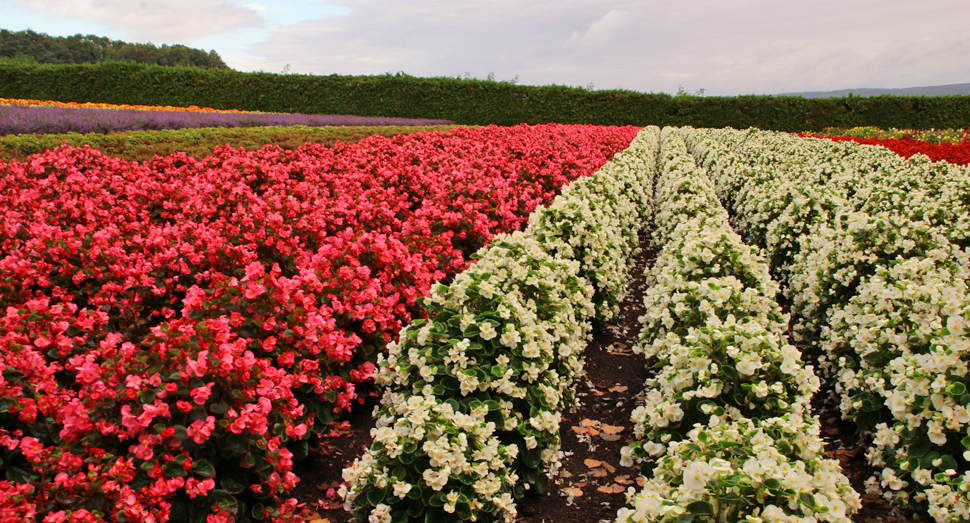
725 46
604 30
728 47
168 21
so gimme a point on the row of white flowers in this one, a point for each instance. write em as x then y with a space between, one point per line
469 419
727 416
874 248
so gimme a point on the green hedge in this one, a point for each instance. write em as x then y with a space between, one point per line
467 102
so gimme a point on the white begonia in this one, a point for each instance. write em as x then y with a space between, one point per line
508 260
380 514
401 489
487 331
510 337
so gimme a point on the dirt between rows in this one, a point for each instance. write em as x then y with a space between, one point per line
592 484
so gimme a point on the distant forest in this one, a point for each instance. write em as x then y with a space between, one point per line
37 47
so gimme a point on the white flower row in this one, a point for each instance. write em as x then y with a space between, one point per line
731 398
596 220
470 415
875 252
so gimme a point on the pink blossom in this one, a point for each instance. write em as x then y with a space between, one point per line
200 430
201 394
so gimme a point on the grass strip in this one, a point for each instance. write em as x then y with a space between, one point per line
197 143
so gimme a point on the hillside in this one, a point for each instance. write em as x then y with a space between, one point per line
931 90
32 46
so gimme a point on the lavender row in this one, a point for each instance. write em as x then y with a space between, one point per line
20 119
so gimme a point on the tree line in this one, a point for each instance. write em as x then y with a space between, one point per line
31 46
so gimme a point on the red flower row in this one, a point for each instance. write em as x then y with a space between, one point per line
172 333
942 151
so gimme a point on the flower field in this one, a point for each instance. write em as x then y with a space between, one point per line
958 153
41 117
872 250
176 332
54 103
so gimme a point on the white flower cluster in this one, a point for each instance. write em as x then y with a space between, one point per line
745 471
470 415
596 220
731 397
879 284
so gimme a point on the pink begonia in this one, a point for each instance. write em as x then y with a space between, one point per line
193 299
87 370
75 419
200 430
133 381
296 432
201 394
220 517
199 366
363 373
141 451
31 448
194 487
334 252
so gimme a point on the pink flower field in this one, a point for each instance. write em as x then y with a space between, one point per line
175 333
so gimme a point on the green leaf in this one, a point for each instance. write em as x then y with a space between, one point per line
21 474
416 493
237 443
806 499
225 500
948 463
174 470
542 483
700 508
772 484
233 483
204 468
957 389
531 458
919 447
415 510
375 496
147 396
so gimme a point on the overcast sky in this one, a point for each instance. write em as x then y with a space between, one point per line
727 47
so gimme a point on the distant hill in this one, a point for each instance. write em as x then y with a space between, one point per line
933 90
31 46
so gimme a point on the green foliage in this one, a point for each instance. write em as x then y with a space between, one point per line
954 136
465 101
33 47
197 143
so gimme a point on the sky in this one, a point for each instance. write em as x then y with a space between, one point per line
725 47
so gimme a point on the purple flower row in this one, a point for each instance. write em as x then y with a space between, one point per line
21 119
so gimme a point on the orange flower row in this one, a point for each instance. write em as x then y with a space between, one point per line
193 108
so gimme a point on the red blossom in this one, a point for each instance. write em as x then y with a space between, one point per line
158 312
943 151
